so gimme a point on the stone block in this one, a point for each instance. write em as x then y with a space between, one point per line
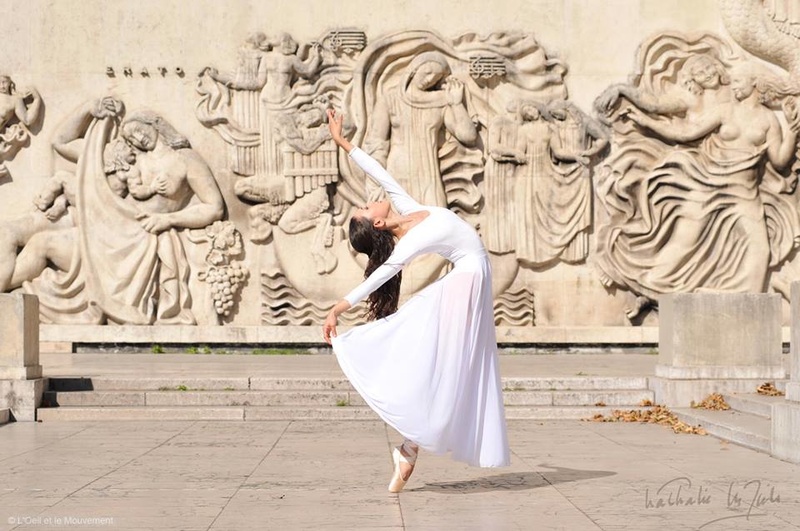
22 397
794 351
793 391
740 331
786 431
19 337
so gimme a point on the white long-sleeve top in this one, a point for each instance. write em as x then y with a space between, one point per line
442 232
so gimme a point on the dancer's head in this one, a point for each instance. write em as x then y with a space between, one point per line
369 235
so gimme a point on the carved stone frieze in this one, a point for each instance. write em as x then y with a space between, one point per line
104 243
698 192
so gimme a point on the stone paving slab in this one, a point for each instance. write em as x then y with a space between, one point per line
285 475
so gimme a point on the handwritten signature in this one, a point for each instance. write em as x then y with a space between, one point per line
680 492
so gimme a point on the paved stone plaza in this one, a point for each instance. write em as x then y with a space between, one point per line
567 475
281 475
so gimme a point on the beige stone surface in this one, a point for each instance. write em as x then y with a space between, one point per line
708 330
19 337
22 397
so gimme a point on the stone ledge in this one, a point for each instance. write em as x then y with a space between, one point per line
713 372
98 334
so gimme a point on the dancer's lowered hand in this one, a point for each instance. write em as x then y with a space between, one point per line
329 328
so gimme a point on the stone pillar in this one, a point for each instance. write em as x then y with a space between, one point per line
786 416
716 343
21 383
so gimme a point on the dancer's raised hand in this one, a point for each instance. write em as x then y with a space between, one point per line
335 126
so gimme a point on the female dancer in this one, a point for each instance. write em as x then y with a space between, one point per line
430 369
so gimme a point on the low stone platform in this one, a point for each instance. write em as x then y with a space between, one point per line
5 416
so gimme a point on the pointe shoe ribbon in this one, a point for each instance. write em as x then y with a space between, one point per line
397 482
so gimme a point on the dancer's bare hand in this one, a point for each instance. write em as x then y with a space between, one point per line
329 328
335 126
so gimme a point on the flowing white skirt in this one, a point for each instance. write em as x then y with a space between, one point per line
430 370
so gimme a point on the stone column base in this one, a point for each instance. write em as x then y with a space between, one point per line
681 393
22 397
786 432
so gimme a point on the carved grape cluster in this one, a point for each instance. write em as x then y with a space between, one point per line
224 282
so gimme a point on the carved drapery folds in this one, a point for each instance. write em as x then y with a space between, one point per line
106 243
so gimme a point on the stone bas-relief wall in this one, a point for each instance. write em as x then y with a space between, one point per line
192 180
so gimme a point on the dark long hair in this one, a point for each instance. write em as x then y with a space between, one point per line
377 245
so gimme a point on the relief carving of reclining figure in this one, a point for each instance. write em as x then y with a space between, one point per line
118 257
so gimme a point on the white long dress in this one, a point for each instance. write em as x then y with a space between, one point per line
430 370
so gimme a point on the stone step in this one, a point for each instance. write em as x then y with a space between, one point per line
212 398
753 403
745 429
5 416
109 383
254 413
200 398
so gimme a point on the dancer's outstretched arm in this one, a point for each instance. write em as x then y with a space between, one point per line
403 253
400 198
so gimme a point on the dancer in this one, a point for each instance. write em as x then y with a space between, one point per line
430 369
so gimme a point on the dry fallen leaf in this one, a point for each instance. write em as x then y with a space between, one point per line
712 401
769 389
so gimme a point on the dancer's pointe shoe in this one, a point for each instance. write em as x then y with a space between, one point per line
398 481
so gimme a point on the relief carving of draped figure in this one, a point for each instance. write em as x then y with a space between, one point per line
696 194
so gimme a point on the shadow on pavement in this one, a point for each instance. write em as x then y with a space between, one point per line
514 481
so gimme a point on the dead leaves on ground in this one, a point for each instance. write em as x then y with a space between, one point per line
657 415
769 389
713 401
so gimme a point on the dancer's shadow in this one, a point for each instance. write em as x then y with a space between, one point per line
514 481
